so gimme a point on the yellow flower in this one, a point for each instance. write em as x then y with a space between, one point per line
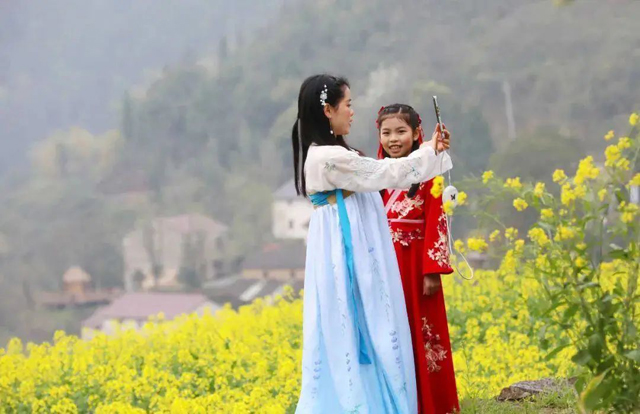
581 246
586 171
448 207
624 143
580 191
538 236
635 181
580 262
437 187
486 176
511 233
612 154
519 245
610 135
542 261
477 244
567 195
623 164
509 262
628 211
546 213
559 175
602 194
538 191
562 212
564 233
462 198
633 119
513 183
520 204
494 235
458 245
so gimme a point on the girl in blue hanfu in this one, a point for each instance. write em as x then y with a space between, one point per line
357 352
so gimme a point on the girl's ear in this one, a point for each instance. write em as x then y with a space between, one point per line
328 111
416 133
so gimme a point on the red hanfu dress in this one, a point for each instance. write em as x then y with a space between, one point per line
419 231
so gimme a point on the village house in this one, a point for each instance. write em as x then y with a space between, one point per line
290 213
279 263
133 310
155 253
77 291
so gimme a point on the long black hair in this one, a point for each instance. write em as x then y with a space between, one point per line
412 118
312 125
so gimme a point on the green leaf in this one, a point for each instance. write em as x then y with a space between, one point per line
593 392
607 298
619 254
588 285
583 357
633 355
547 227
596 344
570 311
555 352
606 364
581 382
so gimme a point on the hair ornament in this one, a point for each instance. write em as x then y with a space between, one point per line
324 95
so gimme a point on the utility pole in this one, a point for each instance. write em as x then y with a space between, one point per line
511 123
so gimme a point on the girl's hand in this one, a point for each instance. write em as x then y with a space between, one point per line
439 142
442 139
431 284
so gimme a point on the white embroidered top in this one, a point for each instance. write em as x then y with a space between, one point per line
330 167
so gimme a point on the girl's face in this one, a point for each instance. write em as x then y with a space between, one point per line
397 137
341 116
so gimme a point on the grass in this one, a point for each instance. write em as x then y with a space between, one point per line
562 402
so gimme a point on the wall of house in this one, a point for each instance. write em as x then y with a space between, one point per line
291 218
76 288
168 247
274 274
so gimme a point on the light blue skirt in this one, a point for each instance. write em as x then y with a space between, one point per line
357 352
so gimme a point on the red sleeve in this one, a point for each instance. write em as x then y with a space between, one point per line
435 257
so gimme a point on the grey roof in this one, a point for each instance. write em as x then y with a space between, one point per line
142 305
239 291
288 254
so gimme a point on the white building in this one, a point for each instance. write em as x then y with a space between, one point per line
291 213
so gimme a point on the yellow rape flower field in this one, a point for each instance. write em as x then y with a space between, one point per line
249 361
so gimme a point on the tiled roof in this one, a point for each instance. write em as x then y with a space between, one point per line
142 305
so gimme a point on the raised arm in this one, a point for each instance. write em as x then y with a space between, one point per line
344 169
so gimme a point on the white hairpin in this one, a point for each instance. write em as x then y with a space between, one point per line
323 96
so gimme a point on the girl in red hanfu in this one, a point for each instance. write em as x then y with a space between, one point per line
419 231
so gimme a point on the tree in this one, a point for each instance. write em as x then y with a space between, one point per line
192 256
535 156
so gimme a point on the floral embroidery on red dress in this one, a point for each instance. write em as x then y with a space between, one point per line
405 237
440 250
404 207
433 351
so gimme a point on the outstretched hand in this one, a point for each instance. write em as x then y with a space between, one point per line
439 139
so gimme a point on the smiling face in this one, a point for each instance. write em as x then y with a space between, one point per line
397 136
341 115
